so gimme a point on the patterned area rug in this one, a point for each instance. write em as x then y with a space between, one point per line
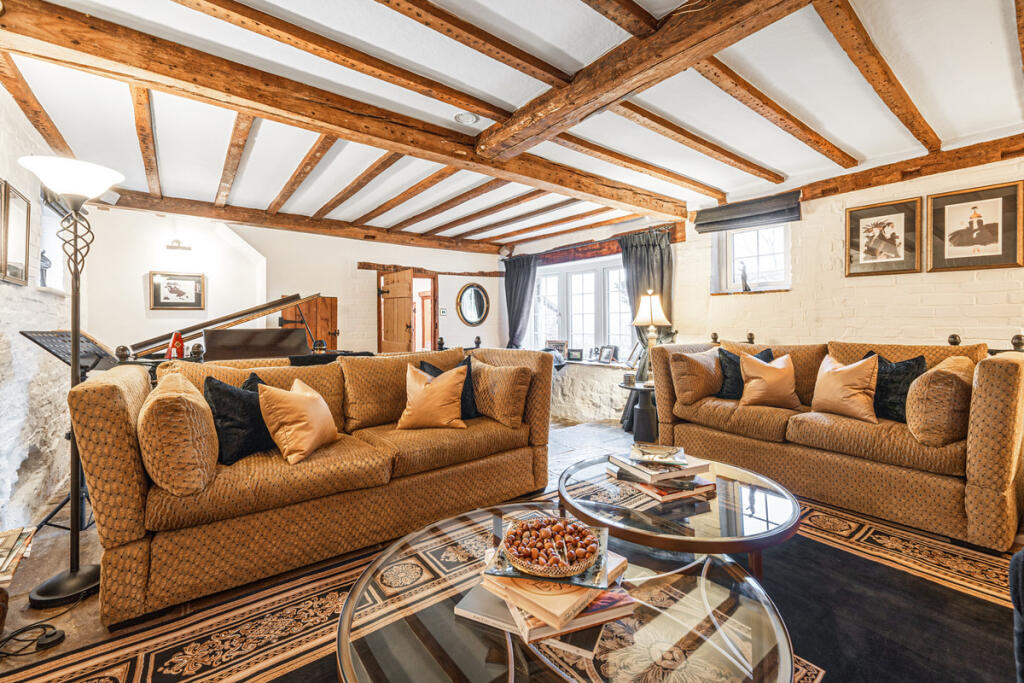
286 629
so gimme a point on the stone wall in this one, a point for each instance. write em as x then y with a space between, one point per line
33 384
582 392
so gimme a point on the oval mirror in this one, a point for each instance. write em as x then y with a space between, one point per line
472 304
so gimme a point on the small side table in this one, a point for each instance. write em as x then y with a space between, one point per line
645 415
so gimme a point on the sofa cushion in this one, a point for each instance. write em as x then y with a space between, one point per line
847 389
501 390
886 442
265 481
695 375
732 376
375 386
326 380
298 420
894 380
849 352
429 449
467 403
241 430
433 401
806 361
177 437
939 402
768 384
758 422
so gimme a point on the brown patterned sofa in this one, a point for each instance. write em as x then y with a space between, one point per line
261 516
969 490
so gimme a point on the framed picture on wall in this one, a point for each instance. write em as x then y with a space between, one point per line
177 291
883 239
15 228
978 228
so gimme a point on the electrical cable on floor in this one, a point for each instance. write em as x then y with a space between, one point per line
49 637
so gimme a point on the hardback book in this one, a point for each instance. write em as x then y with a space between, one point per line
609 605
556 604
14 556
656 452
668 490
651 472
483 606
580 643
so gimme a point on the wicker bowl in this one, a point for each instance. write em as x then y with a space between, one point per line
546 570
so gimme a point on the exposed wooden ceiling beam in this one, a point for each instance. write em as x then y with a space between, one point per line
1019 7
405 195
284 221
445 22
270 26
627 14
549 224
677 133
611 221
362 180
147 141
522 217
732 83
483 213
472 193
239 136
50 32
841 19
15 84
1011 147
322 145
578 144
683 39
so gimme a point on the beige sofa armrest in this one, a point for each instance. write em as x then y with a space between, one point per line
664 389
994 437
538 399
104 413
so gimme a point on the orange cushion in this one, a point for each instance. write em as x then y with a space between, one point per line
847 389
433 401
299 420
695 375
768 384
500 391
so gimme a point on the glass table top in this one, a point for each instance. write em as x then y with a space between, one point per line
697 617
748 511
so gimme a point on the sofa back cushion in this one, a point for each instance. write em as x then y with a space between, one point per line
326 380
851 352
501 391
177 437
433 401
375 385
768 384
847 389
939 402
806 361
695 375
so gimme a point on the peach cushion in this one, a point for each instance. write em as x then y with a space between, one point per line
768 384
299 420
433 401
695 375
847 389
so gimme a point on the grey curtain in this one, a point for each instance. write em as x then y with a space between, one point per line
647 260
520 274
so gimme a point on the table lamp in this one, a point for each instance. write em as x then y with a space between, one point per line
76 182
649 314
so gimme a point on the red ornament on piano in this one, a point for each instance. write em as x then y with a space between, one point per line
176 349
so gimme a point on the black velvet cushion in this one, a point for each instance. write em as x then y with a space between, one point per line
468 399
894 380
732 378
237 418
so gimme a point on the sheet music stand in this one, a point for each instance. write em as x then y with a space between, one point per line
92 356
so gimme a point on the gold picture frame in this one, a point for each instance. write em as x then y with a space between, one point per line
991 233
177 291
15 224
895 232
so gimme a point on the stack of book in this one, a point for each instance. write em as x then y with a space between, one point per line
563 615
14 545
664 473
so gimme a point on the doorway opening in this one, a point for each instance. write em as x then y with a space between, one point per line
406 311
423 313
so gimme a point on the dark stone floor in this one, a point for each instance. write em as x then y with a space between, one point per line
569 443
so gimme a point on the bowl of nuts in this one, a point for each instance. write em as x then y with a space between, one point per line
550 547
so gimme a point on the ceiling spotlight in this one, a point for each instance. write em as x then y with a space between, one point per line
467 118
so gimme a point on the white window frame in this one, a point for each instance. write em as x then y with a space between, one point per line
724 281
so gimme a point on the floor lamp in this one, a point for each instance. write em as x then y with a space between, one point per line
76 182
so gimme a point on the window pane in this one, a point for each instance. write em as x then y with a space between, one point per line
544 321
744 244
582 330
769 240
762 252
620 332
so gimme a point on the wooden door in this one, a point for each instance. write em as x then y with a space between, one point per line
396 311
321 316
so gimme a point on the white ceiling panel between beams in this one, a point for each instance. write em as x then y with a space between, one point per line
273 153
567 226
659 8
339 167
442 192
519 210
93 114
573 210
483 201
406 172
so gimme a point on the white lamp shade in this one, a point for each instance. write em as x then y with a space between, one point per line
72 177
650 312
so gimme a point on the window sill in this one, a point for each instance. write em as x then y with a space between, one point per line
617 365
53 291
753 291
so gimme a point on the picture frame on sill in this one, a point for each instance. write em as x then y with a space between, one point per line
607 354
884 238
15 235
177 291
559 345
574 354
977 228
634 354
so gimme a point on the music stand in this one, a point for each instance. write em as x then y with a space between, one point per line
92 355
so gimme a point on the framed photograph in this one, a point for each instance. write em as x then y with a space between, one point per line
634 355
607 354
559 345
177 291
575 354
15 227
978 228
883 239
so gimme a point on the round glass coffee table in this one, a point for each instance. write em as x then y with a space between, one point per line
695 618
749 512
